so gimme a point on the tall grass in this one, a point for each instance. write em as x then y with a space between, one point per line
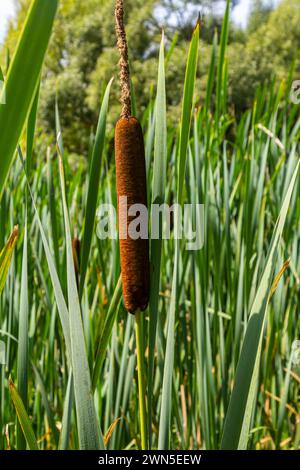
221 322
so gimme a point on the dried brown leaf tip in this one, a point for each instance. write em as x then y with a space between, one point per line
199 21
14 236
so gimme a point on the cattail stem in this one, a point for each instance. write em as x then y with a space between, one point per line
123 63
131 184
141 377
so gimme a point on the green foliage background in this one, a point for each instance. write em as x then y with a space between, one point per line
82 56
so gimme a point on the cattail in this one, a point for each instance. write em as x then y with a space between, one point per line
131 183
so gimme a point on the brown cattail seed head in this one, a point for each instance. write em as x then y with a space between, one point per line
131 182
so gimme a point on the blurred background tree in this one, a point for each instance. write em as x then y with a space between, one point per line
82 56
270 52
260 11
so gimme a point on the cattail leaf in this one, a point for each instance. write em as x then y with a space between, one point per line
221 83
52 208
26 68
166 404
106 333
211 74
158 197
124 371
171 48
50 417
31 124
23 417
67 414
90 436
187 107
284 400
59 296
93 189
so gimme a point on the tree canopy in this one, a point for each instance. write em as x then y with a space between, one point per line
82 56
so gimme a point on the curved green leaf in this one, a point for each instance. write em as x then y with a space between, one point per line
23 78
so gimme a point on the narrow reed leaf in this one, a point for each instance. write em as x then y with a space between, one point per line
23 340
